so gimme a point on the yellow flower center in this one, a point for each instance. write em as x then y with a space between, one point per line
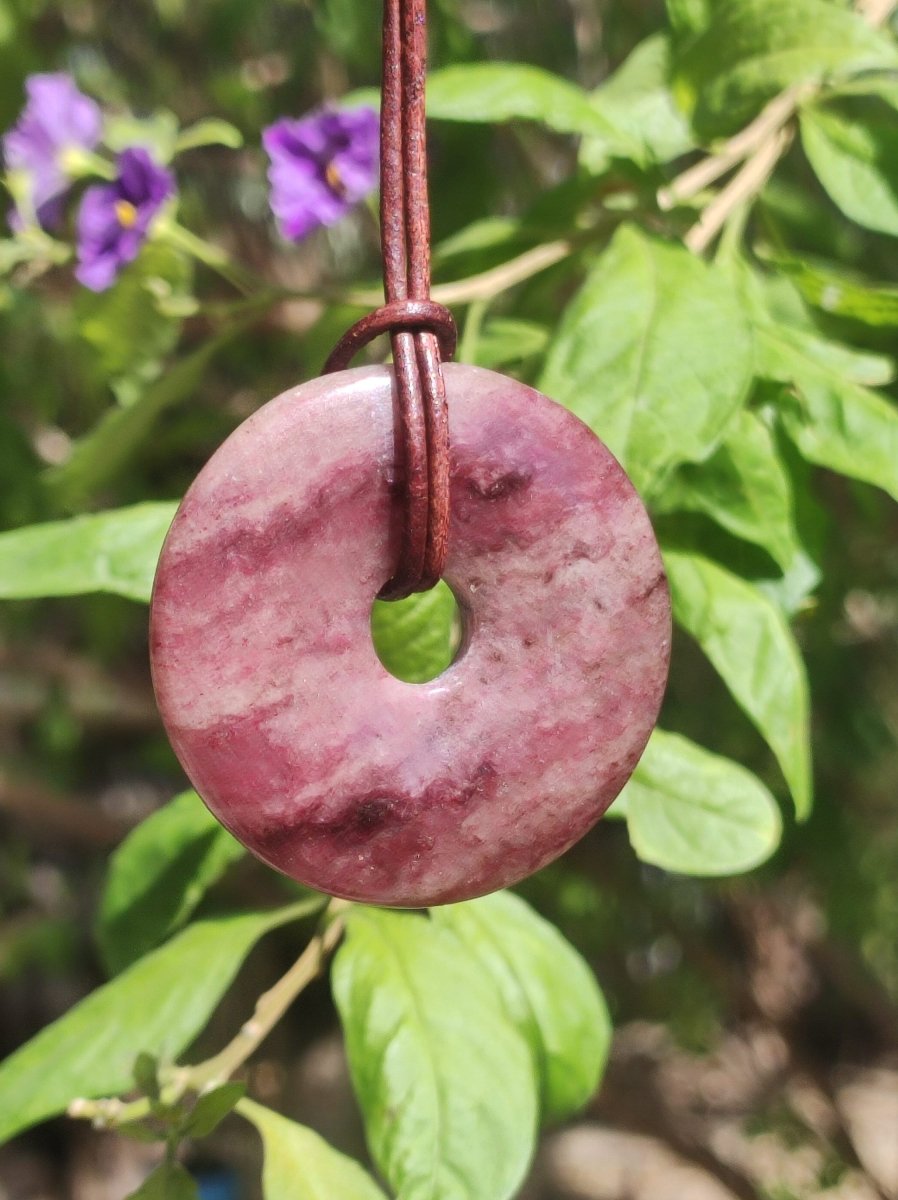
126 213
334 181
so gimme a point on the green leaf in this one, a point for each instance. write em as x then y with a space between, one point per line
158 876
156 1007
842 295
744 487
130 327
638 103
507 340
882 87
787 353
689 17
833 421
300 1165
856 160
748 641
211 131
567 1027
445 1081
106 450
112 552
413 637
754 49
654 353
158 133
490 93
847 429
168 1182
145 1074
696 813
211 1109
491 234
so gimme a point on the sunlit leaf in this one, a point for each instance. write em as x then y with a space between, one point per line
841 295
835 422
300 1165
654 353
156 1007
638 103
507 340
753 49
158 876
494 92
787 353
696 813
105 552
744 487
856 160
548 990
747 639
413 637
444 1078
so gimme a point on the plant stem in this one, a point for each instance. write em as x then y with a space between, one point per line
271 1005
759 146
741 188
484 287
494 282
210 255
877 12
767 124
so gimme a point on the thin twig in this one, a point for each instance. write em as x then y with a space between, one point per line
777 114
493 283
877 12
741 188
760 146
271 1005
488 284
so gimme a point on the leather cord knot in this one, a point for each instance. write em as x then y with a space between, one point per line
422 332
411 316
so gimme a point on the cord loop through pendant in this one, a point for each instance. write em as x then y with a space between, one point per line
422 332
403 315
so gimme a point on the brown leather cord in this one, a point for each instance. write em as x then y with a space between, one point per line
410 315
422 332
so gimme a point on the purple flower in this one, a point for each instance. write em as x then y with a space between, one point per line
321 166
57 119
115 218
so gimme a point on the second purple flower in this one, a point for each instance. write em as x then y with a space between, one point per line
115 218
321 166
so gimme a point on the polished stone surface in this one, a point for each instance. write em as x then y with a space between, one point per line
290 728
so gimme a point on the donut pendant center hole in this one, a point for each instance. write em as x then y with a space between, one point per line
417 639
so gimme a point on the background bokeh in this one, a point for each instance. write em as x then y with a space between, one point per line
756 1051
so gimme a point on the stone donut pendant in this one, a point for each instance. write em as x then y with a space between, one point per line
298 739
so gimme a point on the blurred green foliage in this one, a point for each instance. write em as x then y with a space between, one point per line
724 320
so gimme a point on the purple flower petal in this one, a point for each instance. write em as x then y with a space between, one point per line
321 166
115 218
57 118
